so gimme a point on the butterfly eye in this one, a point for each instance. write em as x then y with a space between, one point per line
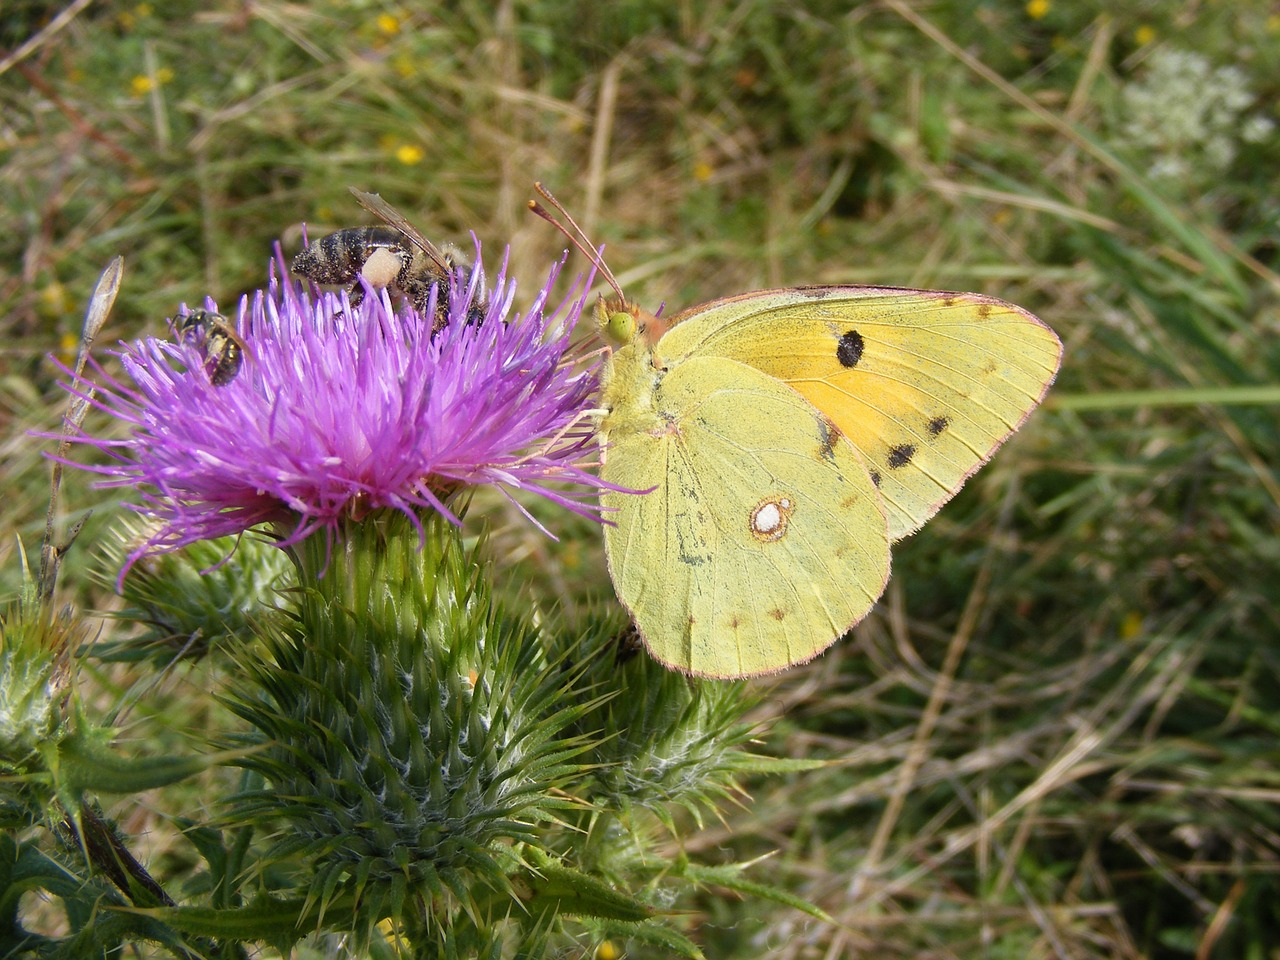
616 325
620 327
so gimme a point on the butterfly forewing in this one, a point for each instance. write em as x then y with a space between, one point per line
764 539
926 385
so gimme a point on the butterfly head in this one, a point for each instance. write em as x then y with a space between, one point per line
622 322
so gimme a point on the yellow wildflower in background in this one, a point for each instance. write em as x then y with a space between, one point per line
128 19
68 347
1036 9
54 301
410 154
142 84
1131 625
405 66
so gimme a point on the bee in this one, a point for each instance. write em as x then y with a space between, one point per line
395 255
216 339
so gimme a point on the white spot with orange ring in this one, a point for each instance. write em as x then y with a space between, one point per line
770 519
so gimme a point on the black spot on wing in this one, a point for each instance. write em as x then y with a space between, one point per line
901 455
875 477
938 424
849 349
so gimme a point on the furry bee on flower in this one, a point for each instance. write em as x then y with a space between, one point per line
215 338
394 255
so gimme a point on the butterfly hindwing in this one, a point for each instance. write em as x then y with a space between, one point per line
926 385
763 539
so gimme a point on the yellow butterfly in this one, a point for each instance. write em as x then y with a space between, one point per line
787 438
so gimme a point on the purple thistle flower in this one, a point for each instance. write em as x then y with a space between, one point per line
337 411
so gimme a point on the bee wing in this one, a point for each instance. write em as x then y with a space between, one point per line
228 330
394 219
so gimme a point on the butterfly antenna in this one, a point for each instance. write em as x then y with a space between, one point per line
577 237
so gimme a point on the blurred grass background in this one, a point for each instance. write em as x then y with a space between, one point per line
1058 735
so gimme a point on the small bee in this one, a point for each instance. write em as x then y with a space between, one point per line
395 255
627 644
216 339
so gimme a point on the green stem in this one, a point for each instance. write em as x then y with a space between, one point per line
382 569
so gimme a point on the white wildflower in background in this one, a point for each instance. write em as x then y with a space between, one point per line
1189 116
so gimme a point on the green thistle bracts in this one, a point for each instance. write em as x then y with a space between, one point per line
213 593
413 735
672 742
33 651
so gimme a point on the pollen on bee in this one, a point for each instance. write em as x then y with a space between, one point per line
382 267
770 519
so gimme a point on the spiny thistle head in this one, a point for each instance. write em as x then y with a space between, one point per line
191 601
415 737
332 411
36 707
668 740
34 667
